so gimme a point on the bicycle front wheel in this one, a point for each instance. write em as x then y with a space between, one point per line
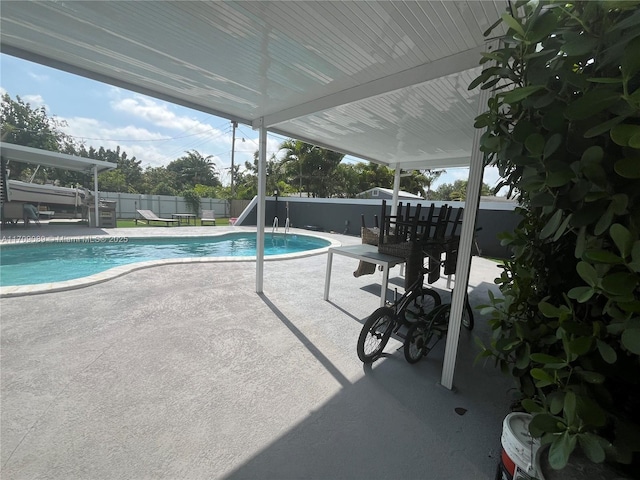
375 334
418 304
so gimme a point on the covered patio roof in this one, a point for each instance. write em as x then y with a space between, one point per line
36 156
384 81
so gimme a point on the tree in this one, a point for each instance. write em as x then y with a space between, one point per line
159 181
374 175
310 167
456 191
430 177
194 168
31 127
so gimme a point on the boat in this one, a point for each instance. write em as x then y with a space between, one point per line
62 200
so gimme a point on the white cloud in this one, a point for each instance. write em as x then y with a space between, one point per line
39 77
36 101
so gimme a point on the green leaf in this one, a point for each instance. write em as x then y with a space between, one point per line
555 400
603 127
591 446
546 359
628 168
542 26
579 45
513 24
630 59
607 352
621 134
535 144
631 340
531 406
619 283
593 154
542 199
559 178
591 377
552 145
592 102
570 407
542 376
561 449
635 257
580 242
587 273
552 225
548 310
581 345
518 94
544 423
562 228
605 220
602 256
581 294
605 80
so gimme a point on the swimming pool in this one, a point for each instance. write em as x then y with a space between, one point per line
75 258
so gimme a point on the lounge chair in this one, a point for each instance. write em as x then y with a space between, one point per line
149 216
208 216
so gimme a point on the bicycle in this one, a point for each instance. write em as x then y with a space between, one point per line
424 334
414 304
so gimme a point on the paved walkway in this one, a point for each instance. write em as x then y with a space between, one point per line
184 372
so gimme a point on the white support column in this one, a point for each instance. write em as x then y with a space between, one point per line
96 200
262 186
396 190
467 233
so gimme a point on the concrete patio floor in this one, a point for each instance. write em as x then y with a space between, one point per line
184 372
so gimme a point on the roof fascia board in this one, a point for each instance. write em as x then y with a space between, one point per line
115 81
423 73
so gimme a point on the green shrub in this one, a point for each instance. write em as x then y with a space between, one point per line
193 200
563 128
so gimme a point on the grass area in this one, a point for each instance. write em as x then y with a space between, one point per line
130 223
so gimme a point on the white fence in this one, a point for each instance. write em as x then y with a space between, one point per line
161 205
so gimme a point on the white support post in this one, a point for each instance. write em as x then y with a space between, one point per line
96 200
262 186
467 233
396 190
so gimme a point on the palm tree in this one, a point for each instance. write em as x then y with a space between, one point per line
194 168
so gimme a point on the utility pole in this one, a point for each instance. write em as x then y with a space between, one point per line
234 124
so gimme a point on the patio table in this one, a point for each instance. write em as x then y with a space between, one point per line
184 216
366 253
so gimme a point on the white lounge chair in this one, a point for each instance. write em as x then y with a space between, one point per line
208 216
149 216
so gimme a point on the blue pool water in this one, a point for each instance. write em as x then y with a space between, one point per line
34 263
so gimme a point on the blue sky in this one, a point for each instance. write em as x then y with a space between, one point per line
154 131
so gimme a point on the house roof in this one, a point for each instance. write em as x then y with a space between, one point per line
36 156
384 81
389 191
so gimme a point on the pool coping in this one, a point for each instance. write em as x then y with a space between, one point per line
115 272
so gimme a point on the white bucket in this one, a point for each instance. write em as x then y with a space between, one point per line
518 448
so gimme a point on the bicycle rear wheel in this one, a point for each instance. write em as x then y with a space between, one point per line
375 334
424 335
416 342
419 303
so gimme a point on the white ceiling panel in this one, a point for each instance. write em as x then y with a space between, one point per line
379 80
